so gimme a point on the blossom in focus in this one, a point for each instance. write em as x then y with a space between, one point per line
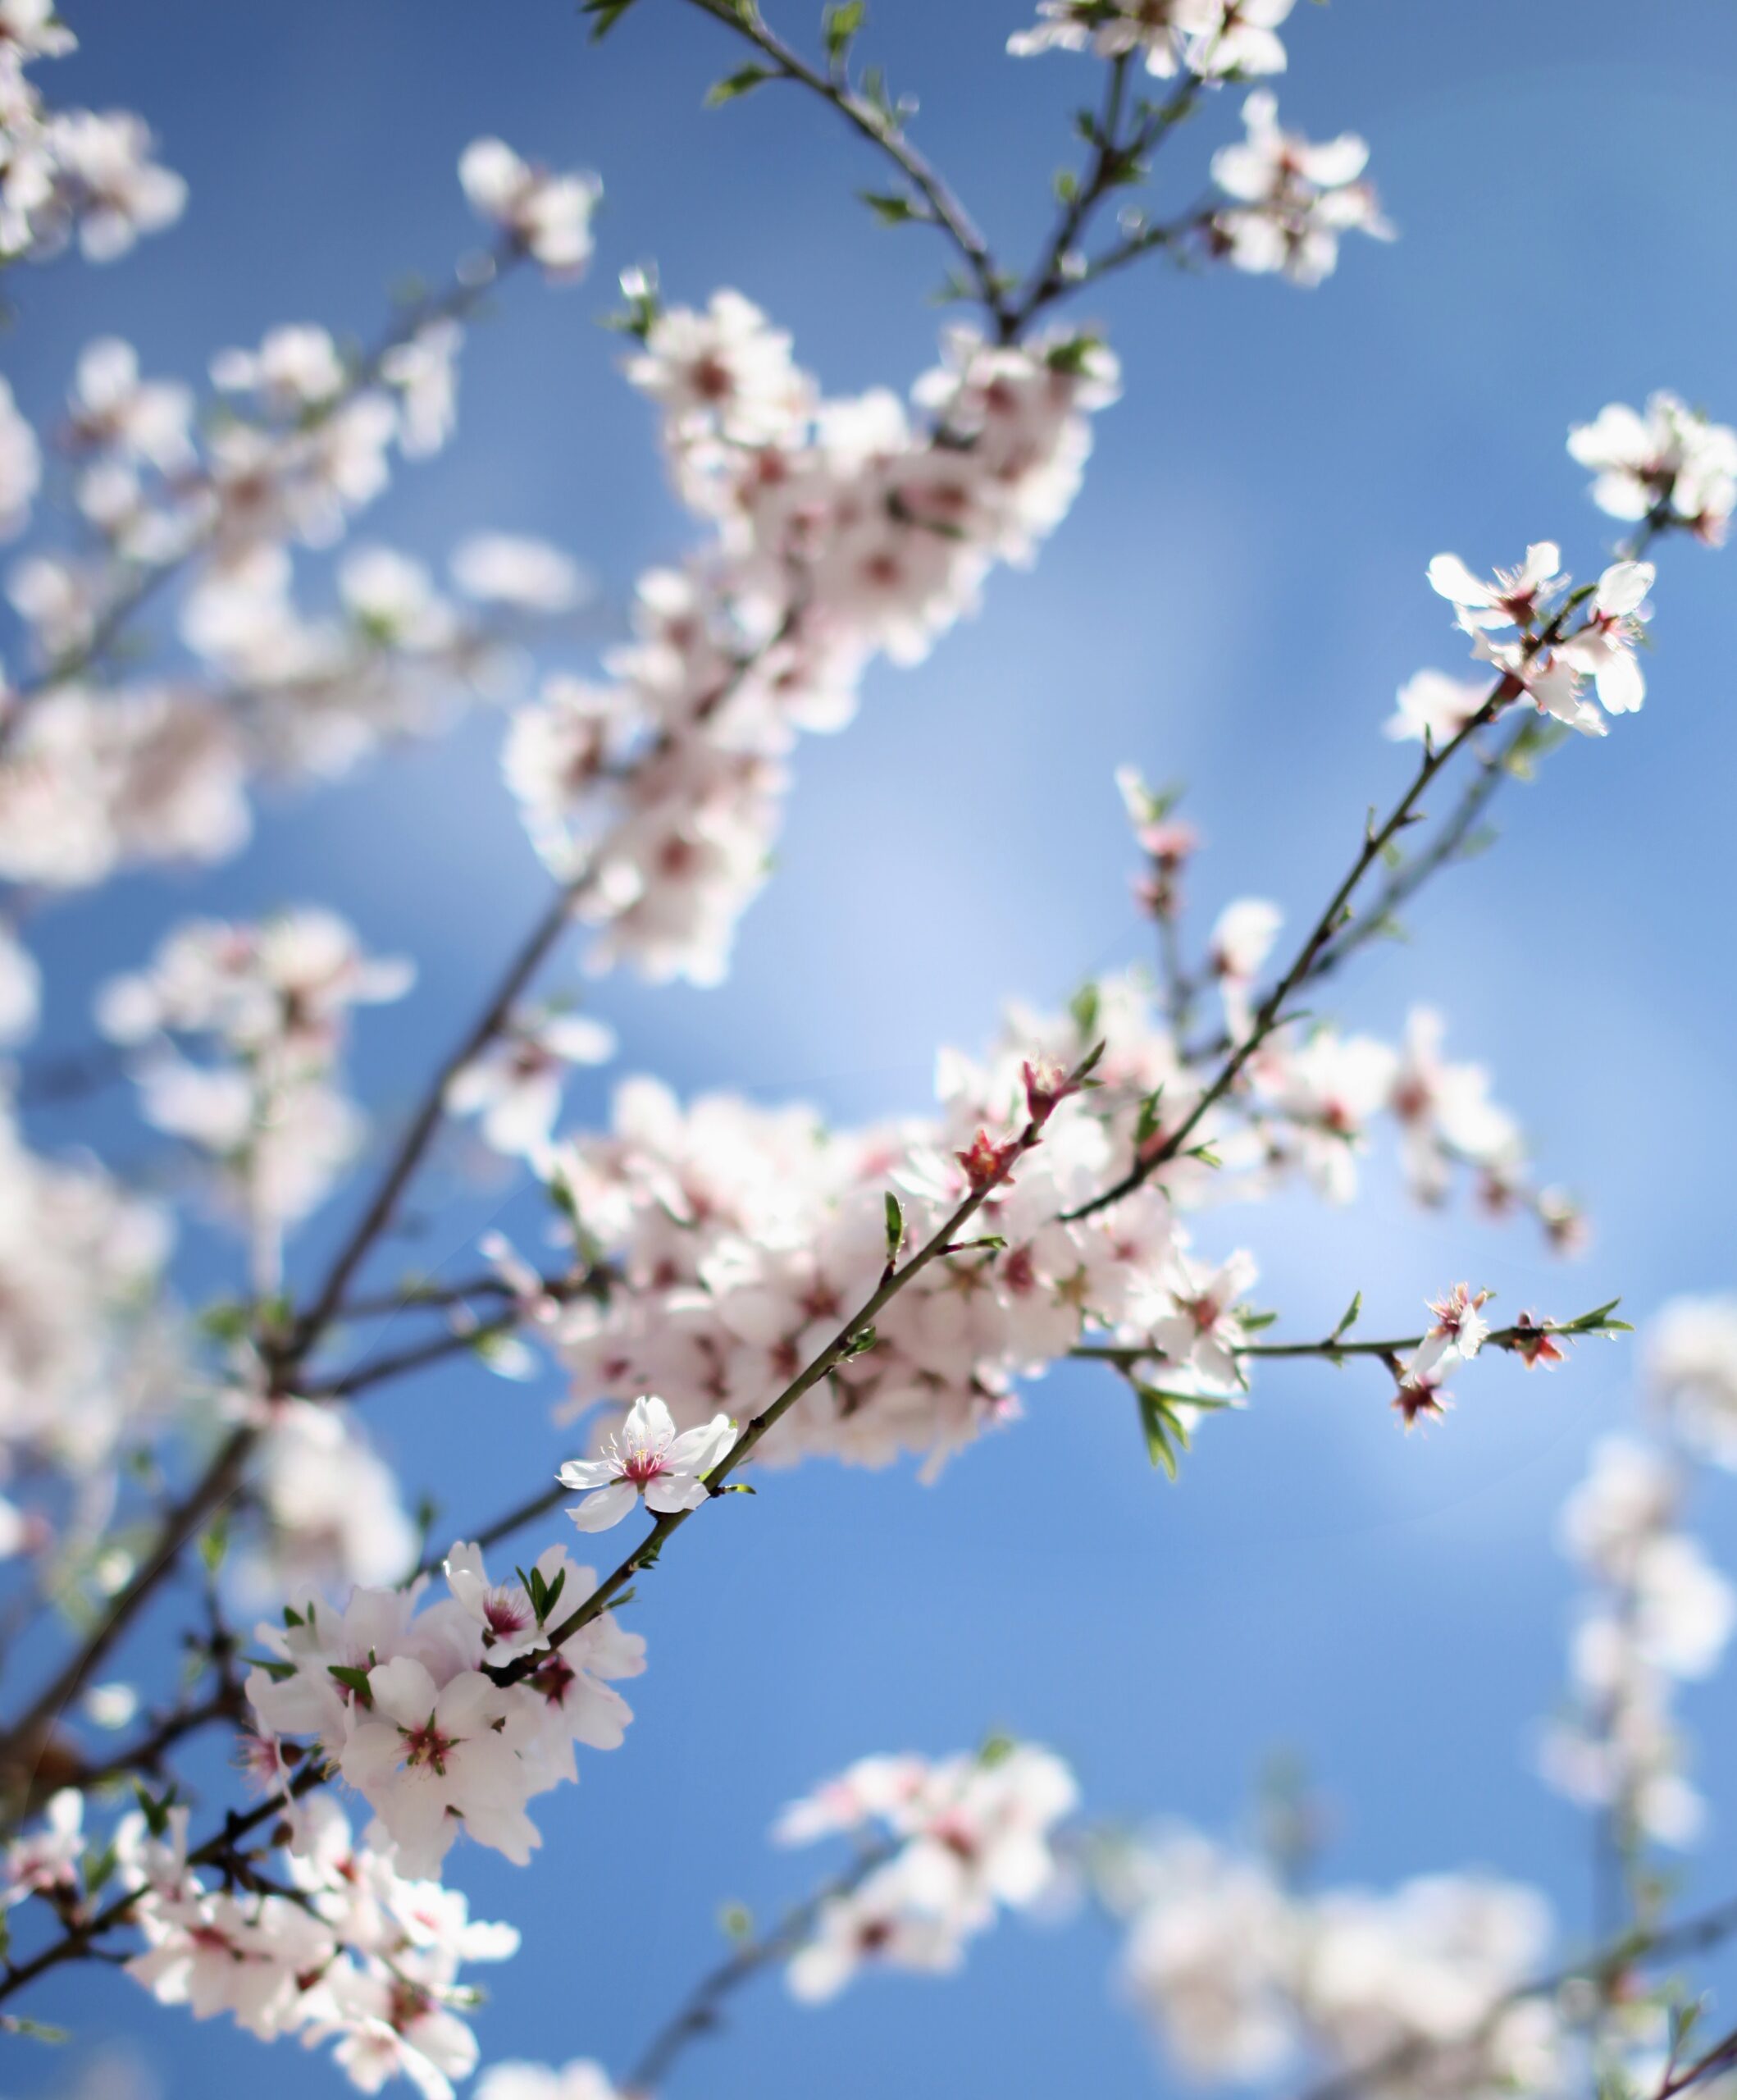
646 1458
1604 649
1512 598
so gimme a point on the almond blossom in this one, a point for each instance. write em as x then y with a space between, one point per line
1668 460
1290 199
645 1460
1604 649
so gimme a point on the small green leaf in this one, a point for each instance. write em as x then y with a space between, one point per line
894 1228
842 23
214 1545
888 207
1083 1006
735 1920
605 14
1352 1313
354 1679
743 81
34 2030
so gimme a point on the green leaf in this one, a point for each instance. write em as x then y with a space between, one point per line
741 82
894 1228
354 1679
214 1545
551 1595
1065 184
841 24
605 14
888 207
1083 1006
1146 1127
98 1867
34 2030
1352 1313
155 1808
859 1344
735 1920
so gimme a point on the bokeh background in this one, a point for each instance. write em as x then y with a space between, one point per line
1231 603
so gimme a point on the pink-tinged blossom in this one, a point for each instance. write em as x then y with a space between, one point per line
1459 1320
547 215
1668 461
1290 200
514 1086
1204 1332
1605 649
1512 598
1432 705
645 1459
965 1839
45 1862
430 1760
1546 677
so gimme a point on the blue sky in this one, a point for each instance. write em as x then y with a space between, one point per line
1235 597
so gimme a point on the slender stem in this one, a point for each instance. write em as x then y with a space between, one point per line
532 953
1333 1347
882 132
1697 1935
699 2012
24 1741
895 1279
144 583
1058 272
1333 919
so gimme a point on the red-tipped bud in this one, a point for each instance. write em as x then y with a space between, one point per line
1532 1346
984 1161
1047 1085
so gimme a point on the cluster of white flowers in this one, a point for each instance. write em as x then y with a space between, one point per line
96 774
1210 38
1660 1613
87 1361
1689 1362
843 528
951 1844
737 1239
402 1702
70 171
272 1001
352 1951
1668 463
1240 1975
331 1509
1290 200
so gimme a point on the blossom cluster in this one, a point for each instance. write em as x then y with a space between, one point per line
951 1844
402 1702
841 528
347 1948
1413 1992
67 172
89 1360
736 1240
1213 39
1659 1613
98 771
272 1001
